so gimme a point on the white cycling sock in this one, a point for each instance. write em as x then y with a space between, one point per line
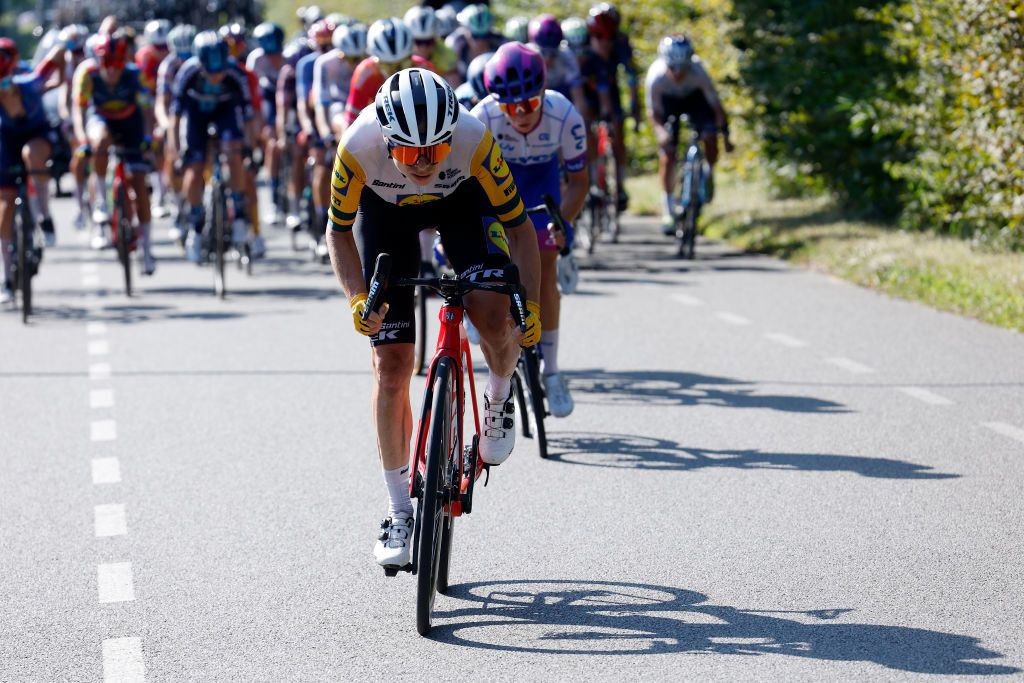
397 482
549 351
498 387
144 230
101 193
668 204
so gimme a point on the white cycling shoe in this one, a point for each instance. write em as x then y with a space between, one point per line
559 399
499 437
394 544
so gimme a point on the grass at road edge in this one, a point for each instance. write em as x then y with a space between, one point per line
945 273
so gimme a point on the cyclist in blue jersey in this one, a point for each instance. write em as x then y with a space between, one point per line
26 139
211 88
540 134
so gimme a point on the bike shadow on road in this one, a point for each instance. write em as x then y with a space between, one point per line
617 618
669 388
627 451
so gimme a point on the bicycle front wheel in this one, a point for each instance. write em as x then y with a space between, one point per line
24 246
220 219
434 521
124 233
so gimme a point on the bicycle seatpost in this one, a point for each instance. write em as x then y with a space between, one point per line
381 271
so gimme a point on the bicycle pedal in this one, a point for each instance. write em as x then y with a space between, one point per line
393 571
487 474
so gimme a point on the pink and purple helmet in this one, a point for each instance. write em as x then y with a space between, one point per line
546 32
515 73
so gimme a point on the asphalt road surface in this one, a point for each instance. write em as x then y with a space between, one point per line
769 474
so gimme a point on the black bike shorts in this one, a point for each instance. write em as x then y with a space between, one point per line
471 243
696 107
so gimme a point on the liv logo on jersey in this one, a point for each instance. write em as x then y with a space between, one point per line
417 199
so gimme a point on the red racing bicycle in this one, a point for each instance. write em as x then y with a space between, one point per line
445 469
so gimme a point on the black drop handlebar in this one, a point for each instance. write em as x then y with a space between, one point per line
452 288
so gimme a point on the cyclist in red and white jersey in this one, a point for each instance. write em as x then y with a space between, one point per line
148 58
416 160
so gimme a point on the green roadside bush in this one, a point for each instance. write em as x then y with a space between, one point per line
961 108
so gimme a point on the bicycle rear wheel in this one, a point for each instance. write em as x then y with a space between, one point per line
23 281
434 521
535 388
517 388
421 330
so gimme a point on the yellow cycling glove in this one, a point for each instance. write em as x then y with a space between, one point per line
358 304
531 337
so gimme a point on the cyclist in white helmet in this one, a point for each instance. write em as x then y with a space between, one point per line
422 21
406 165
389 48
179 41
332 76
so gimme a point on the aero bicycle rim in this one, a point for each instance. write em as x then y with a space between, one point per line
432 520
536 390
123 226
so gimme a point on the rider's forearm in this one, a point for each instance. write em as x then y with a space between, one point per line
79 124
522 246
348 269
322 125
575 195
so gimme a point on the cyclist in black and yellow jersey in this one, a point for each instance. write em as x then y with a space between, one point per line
417 161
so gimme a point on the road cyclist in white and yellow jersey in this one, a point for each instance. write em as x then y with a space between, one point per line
413 161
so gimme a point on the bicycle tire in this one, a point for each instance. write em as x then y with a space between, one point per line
24 246
124 233
596 214
419 361
219 228
536 390
445 561
520 394
435 492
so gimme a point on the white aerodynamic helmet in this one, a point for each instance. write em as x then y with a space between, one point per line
416 108
351 39
447 21
156 31
422 22
389 40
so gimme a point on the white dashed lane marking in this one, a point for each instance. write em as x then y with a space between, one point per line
90 280
785 340
90 268
99 347
110 520
732 318
101 398
925 396
1006 430
106 471
850 365
687 300
122 661
114 582
99 371
95 328
103 430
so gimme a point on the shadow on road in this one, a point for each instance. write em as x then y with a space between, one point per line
613 618
668 388
627 451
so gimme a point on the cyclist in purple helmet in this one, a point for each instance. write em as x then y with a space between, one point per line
540 134
563 70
